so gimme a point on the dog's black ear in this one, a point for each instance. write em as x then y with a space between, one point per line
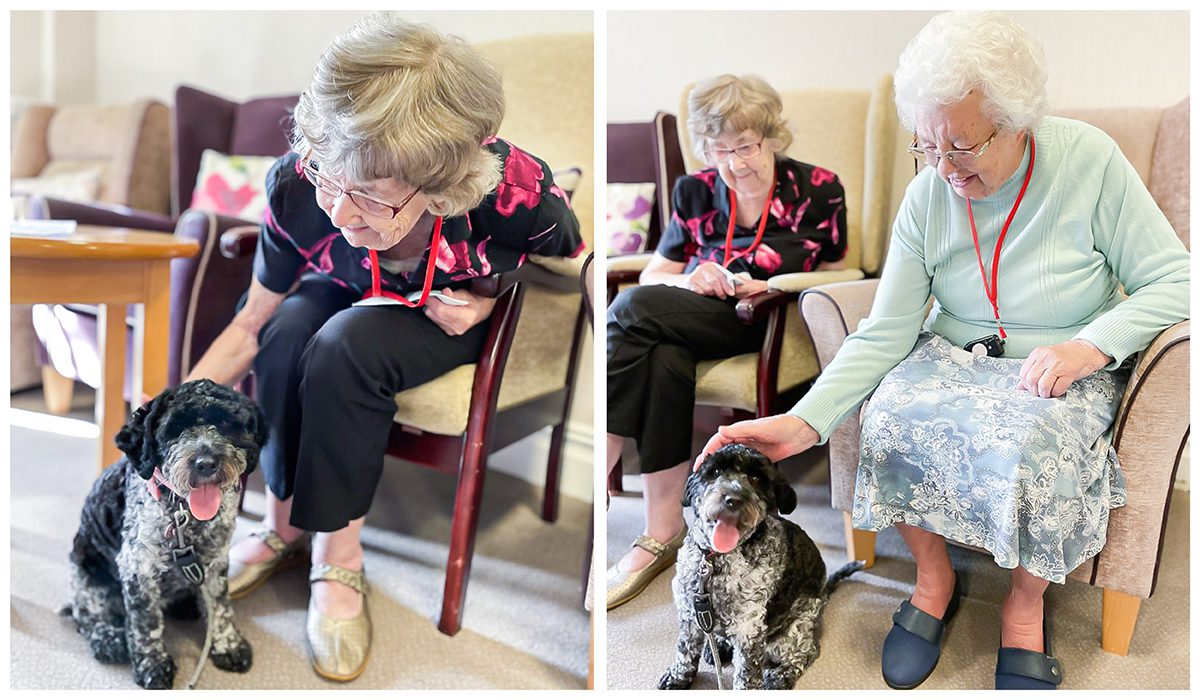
785 495
136 439
692 489
259 429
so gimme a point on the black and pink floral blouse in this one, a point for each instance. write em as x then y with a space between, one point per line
806 224
527 213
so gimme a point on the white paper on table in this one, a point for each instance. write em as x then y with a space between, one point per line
42 227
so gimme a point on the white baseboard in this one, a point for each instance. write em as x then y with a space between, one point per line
526 459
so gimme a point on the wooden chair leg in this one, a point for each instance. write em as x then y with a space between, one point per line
467 497
57 391
1118 617
860 544
553 470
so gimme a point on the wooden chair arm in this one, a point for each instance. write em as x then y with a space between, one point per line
756 307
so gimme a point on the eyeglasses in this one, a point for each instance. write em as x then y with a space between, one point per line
362 200
722 155
962 159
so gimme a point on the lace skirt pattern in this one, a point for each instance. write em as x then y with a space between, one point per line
950 445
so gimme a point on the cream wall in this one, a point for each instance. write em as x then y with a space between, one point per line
1094 59
251 54
52 56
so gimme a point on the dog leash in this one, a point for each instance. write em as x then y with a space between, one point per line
185 557
208 637
705 617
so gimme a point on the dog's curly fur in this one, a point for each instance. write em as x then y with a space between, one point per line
124 578
767 593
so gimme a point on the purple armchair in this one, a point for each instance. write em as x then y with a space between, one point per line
205 289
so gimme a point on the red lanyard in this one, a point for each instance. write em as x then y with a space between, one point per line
435 243
762 225
992 292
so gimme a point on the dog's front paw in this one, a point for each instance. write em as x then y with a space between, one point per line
237 659
778 679
154 671
109 644
674 680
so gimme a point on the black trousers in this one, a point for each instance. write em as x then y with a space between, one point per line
656 335
326 375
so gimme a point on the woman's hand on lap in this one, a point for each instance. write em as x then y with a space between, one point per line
708 279
456 320
1051 369
750 287
777 437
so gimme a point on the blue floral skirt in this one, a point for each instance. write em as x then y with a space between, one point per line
950 445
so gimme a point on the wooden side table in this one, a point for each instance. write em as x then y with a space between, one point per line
111 267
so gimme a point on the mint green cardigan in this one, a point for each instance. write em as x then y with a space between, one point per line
1086 230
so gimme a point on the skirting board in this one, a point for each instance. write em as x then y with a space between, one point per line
526 460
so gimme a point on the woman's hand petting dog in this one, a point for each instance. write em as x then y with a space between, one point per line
1051 369
777 437
456 320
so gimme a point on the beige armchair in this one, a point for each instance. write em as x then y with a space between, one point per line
129 144
116 154
1152 423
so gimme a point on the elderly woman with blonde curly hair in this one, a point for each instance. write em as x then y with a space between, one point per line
397 193
752 213
989 424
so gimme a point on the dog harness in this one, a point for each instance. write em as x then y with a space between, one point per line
183 554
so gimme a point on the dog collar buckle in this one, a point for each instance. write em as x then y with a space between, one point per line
704 612
189 563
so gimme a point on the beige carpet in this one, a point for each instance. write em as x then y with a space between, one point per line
642 633
523 625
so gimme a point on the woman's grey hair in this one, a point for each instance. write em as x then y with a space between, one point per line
730 104
961 51
393 99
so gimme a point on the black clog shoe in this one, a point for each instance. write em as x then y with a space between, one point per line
1022 669
914 644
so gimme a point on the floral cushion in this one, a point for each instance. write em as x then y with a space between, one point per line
629 209
232 185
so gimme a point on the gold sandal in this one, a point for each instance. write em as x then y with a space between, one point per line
245 578
623 586
339 649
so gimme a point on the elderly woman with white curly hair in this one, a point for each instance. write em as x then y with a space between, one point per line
751 214
990 419
396 195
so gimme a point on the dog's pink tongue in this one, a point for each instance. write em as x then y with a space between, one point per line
205 501
725 536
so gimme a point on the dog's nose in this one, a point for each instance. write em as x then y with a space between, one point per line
204 466
732 501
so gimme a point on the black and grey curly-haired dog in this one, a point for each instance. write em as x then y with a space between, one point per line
154 533
752 580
